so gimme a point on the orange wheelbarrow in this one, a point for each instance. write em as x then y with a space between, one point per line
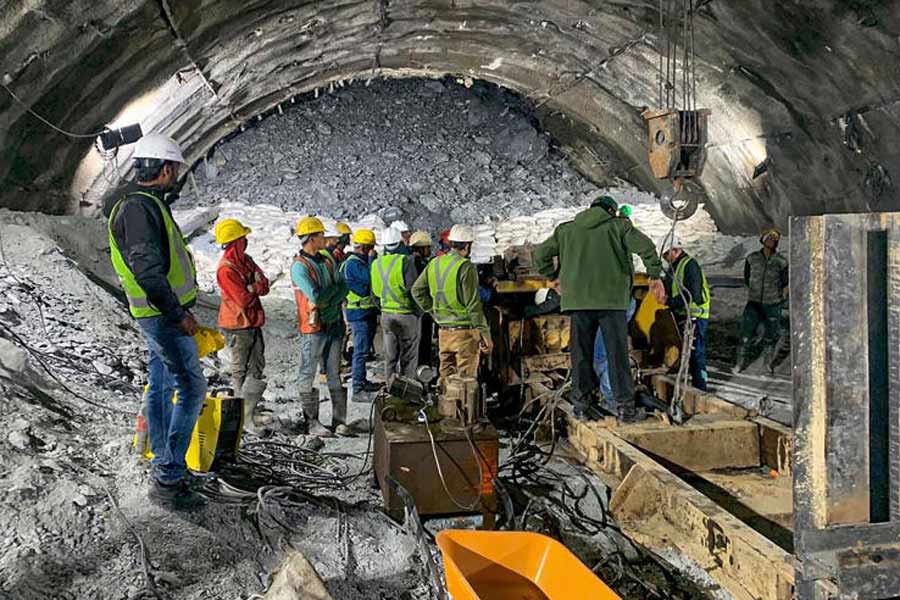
500 565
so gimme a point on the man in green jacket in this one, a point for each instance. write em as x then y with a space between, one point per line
594 278
766 278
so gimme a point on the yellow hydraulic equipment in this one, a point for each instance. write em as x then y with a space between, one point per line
216 437
515 565
217 434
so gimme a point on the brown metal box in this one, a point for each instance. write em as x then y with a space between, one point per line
403 450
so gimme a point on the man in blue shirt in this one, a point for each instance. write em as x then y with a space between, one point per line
362 314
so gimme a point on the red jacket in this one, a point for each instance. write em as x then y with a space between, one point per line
242 283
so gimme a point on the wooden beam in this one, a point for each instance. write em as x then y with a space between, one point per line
698 445
776 445
656 508
697 402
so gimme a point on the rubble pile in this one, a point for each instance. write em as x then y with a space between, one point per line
430 152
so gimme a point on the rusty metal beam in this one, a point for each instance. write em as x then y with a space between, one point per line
845 321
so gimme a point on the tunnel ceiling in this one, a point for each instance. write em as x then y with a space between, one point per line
808 91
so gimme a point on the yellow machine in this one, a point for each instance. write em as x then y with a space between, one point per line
216 438
217 433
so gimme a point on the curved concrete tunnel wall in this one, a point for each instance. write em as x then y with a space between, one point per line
791 82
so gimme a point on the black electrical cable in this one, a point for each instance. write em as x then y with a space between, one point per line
46 122
37 355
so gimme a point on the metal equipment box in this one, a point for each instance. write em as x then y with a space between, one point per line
403 451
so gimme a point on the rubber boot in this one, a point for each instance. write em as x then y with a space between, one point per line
252 392
339 412
309 402
769 359
741 363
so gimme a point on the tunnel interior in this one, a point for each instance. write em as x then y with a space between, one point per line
785 85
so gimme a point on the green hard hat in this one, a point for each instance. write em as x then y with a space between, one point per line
625 211
605 202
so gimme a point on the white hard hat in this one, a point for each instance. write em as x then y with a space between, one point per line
541 295
669 242
401 226
391 237
158 146
331 230
461 233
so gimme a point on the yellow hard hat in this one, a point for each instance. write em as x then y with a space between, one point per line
309 226
364 237
208 341
420 238
343 228
228 230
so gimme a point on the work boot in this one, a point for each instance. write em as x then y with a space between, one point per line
252 392
177 496
368 386
339 412
629 415
309 402
741 362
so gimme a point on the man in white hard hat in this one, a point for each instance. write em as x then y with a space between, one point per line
158 276
448 289
688 298
405 233
393 276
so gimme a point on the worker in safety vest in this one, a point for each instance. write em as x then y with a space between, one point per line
319 290
338 251
157 273
361 311
590 259
405 234
393 276
332 240
420 245
241 316
448 289
766 278
688 298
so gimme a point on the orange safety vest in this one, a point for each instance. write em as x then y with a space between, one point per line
233 316
304 307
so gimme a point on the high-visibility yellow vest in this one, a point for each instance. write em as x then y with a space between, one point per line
699 310
443 279
354 300
389 286
182 275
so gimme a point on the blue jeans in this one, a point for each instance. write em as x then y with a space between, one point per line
601 364
363 336
313 352
174 365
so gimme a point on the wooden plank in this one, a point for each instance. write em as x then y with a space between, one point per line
698 446
775 445
697 402
658 509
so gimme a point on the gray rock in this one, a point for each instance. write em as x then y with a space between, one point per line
19 440
324 128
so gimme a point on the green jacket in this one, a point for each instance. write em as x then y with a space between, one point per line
595 266
466 294
766 277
